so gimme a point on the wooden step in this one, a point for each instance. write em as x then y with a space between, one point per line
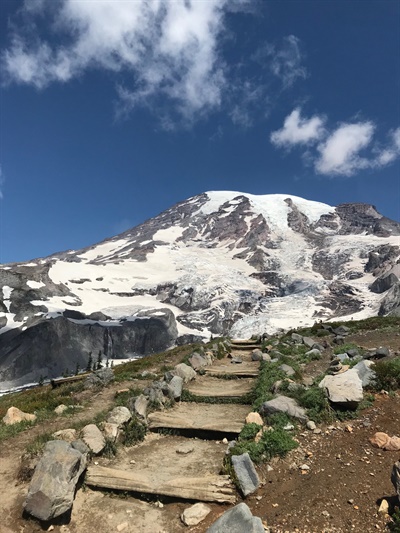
217 388
225 368
224 418
212 488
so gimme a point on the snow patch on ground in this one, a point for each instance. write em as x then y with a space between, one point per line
35 284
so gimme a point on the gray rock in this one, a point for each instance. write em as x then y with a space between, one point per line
365 372
384 283
314 353
197 361
311 425
176 386
195 514
342 331
308 341
266 357
80 446
100 378
297 338
236 360
93 437
395 477
318 346
382 351
184 371
140 405
245 473
256 355
339 340
237 520
284 404
52 488
345 389
119 415
341 357
353 352
289 371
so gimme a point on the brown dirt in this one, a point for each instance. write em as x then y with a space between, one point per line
340 492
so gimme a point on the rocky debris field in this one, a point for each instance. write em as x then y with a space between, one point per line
299 436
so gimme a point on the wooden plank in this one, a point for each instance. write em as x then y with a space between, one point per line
224 418
61 381
245 369
212 386
208 489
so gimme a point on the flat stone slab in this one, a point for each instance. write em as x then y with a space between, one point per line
211 386
225 367
226 418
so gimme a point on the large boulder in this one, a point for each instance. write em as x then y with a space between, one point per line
175 387
197 361
344 390
284 404
184 371
246 473
15 415
52 488
237 520
383 284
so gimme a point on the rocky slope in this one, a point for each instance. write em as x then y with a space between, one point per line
220 262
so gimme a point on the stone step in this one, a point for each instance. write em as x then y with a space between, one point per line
217 388
223 418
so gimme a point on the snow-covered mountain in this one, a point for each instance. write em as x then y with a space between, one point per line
220 262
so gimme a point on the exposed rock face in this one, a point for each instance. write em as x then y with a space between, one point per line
220 263
52 346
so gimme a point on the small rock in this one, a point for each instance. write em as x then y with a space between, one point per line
238 519
289 427
245 473
123 526
184 449
93 437
311 425
69 435
119 415
254 418
289 371
304 467
383 508
60 409
195 514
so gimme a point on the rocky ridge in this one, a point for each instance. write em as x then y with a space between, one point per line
218 263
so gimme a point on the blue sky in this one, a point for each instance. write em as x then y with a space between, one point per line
114 110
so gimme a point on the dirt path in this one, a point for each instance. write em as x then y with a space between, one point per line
340 493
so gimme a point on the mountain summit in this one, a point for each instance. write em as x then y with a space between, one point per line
221 262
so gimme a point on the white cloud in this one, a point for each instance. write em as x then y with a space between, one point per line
170 48
339 154
341 151
297 130
287 61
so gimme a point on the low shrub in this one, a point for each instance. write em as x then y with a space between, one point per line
387 375
134 432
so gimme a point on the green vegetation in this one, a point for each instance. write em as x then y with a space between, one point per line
269 373
387 375
394 524
343 348
134 432
9 431
272 443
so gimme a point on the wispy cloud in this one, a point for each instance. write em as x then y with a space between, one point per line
286 61
167 56
297 130
340 151
169 48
